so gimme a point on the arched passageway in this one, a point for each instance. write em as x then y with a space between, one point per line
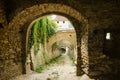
68 35
21 29
103 18
61 41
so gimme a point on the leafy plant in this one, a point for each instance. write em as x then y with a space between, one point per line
41 31
39 69
52 61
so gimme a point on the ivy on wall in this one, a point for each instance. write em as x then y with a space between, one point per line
41 31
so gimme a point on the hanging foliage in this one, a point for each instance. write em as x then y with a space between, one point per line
34 40
41 31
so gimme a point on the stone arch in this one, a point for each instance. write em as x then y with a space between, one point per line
58 37
71 45
19 26
63 43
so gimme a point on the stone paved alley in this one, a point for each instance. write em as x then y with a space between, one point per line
63 69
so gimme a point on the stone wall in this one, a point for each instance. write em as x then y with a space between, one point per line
2 12
103 63
84 53
10 62
95 47
96 41
112 46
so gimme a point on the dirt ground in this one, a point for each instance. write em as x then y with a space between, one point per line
63 69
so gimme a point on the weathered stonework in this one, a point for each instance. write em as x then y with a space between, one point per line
67 35
19 26
2 12
64 39
84 53
98 15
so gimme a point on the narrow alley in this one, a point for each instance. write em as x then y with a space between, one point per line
62 69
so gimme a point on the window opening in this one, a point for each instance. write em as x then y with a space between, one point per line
108 36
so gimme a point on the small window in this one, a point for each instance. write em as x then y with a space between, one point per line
57 21
108 36
63 21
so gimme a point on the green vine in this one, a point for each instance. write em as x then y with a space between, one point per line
41 31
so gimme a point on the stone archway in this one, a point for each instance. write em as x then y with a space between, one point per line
19 28
69 36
